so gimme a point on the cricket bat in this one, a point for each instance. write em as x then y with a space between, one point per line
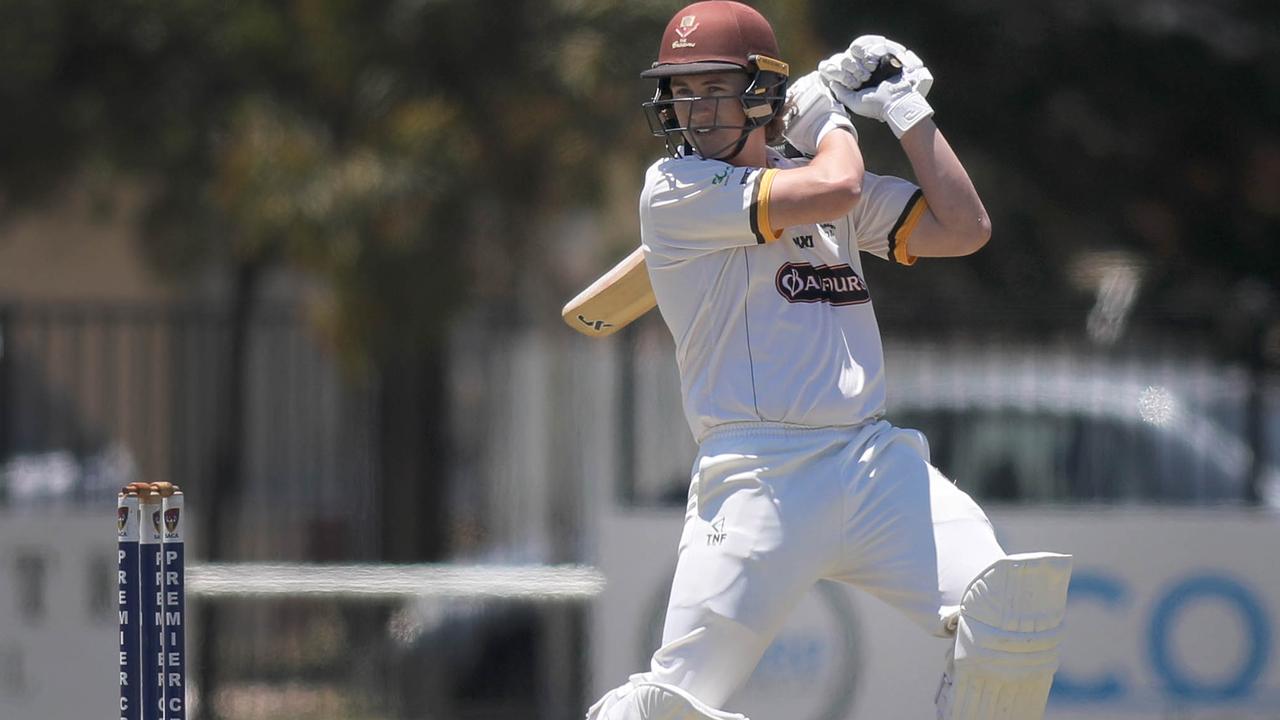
613 301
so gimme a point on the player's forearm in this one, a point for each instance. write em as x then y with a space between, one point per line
825 189
838 165
947 188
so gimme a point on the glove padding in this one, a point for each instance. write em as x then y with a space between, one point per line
900 102
853 67
897 103
814 113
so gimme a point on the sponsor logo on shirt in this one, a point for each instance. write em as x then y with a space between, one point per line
834 285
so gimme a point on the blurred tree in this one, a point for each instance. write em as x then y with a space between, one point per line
414 152
1099 125
404 151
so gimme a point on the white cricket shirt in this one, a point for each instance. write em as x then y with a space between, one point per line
776 330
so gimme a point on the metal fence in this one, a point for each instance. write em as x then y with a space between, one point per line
546 430
1159 419
94 397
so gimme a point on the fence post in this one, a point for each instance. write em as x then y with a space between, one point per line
626 480
1261 367
6 386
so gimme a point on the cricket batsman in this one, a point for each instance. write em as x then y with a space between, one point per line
755 261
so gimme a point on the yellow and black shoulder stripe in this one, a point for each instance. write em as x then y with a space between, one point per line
760 225
905 225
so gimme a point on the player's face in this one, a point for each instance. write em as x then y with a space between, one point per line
712 109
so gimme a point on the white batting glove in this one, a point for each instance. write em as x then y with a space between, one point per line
853 67
814 113
899 101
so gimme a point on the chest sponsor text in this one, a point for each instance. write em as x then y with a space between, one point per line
834 285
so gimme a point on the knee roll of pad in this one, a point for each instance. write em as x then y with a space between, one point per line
644 699
1007 635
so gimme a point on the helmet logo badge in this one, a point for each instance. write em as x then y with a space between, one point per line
688 24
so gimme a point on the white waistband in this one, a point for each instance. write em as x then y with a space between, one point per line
774 429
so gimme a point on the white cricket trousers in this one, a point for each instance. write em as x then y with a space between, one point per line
773 509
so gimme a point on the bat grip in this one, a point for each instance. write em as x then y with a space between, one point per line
889 68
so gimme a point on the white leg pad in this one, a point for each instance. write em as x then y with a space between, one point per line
1007 635
642 698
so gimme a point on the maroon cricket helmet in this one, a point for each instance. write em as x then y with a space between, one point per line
711 36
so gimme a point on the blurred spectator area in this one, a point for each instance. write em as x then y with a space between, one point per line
1023 417
94 396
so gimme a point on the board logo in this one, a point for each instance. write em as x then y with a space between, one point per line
834 285
122 518
596 325
171 519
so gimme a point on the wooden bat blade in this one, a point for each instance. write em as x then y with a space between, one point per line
614 300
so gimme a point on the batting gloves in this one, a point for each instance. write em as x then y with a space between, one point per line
814 113
898 101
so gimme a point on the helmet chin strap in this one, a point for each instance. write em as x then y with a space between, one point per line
737 146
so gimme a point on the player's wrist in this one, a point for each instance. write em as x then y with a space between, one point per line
906 112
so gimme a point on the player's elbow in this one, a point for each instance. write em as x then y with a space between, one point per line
840 193
851 189
973 236
981 233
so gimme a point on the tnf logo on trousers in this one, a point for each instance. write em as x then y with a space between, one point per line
717 534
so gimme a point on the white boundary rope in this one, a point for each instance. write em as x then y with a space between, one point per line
224 580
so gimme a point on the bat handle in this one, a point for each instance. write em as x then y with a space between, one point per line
889 68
